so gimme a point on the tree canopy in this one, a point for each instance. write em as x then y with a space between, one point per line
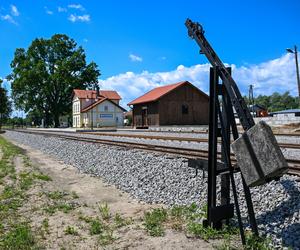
276 101
44 75
5 105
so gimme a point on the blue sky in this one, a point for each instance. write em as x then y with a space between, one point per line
139 45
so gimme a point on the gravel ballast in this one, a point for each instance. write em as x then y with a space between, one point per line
158 178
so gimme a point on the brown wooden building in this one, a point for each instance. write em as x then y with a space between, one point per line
175 104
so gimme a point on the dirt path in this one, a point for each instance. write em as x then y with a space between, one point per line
64 209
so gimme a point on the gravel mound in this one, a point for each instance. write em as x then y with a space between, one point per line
158 178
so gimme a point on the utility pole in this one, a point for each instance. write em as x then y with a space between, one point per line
297 67
251 99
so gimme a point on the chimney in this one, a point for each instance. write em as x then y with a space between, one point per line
97 91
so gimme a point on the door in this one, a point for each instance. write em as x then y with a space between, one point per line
144 117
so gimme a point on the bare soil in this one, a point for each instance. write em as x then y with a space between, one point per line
84 194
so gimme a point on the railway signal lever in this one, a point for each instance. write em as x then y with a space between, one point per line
258 155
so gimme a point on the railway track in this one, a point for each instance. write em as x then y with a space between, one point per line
175 138
294 164
296 134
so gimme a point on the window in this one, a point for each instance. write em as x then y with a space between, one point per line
185 109
105 108
76 107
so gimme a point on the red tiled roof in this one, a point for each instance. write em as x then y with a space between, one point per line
98 102
157 93
110 94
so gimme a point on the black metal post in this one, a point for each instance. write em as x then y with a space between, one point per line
212 151
225 178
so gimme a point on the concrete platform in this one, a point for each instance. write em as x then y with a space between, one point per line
54 129
74 130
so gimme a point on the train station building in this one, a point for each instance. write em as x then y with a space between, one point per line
91 108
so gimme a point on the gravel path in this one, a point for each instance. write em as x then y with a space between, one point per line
158 178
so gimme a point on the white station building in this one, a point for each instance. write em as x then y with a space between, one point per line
97 109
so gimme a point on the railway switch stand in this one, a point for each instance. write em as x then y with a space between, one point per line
259 158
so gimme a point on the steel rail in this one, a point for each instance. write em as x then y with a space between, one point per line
166 138
175 138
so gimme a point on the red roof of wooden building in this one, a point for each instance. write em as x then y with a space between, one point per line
157 93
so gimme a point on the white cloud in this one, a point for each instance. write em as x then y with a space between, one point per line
75 18
76 6
274 75
49 12
6 84
85 40
135 58
9 19
14 11
61 9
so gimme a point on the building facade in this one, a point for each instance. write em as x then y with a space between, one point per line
92 109
175 104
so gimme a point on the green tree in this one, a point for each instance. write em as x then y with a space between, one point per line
276 101
44 75
5 105
34 118
263 101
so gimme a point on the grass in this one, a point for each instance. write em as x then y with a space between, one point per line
253 242
60 206
103 227
86 219
58 202
205 233
120 221
74 195
153 221
177 218
106 237
71 231
189 219
26 180
42 177
96 227
8 152
56 195
14 232
104 211
45 225
19 237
